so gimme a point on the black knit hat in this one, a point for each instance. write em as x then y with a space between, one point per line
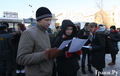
43 12
2 27
113 27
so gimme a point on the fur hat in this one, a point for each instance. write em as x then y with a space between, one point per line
113 27
2 27
43 12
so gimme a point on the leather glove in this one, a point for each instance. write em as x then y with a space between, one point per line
79 52
53 53
68 54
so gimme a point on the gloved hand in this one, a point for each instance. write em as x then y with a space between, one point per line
79 52
53 53
68 54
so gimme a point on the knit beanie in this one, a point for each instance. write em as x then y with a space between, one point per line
113 27
43 12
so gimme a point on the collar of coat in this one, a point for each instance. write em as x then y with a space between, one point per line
4 32
96 29
39 27
115 31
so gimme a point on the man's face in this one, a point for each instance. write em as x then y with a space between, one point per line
111 29
18 27
45 22
92 28
87 28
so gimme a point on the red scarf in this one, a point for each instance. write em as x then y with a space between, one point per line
96 29
115 31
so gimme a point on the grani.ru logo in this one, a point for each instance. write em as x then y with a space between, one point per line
112 72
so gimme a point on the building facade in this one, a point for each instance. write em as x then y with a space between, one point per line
107 17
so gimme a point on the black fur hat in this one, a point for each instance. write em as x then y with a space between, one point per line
43 12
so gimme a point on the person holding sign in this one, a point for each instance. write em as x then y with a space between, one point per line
67 62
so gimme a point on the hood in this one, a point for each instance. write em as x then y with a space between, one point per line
115 31
102 31
65 24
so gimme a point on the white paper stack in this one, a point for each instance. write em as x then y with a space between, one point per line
76 44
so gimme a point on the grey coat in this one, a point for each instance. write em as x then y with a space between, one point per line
31 49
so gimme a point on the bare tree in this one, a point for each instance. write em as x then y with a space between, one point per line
102 16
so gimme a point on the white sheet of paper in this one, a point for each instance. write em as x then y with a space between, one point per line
64 43
77 44
86 46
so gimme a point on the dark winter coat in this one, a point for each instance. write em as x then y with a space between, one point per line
115 37
5 46
66 65
15 42
81 35
98 48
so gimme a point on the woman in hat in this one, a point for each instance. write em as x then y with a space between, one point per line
113 37
15 41
67 62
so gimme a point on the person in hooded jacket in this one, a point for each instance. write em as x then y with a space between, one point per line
67 62
86 34
113 37
6 54
20 71
97 47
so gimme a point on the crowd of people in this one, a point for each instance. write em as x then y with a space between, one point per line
8 50
34 51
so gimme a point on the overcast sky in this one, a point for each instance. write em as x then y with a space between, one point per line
27 8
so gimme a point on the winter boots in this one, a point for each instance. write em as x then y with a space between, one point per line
83 70
111 63
89 69
6 74
21 74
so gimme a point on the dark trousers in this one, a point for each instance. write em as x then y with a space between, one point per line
54 69
84 58
113 56
6 67
74 74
